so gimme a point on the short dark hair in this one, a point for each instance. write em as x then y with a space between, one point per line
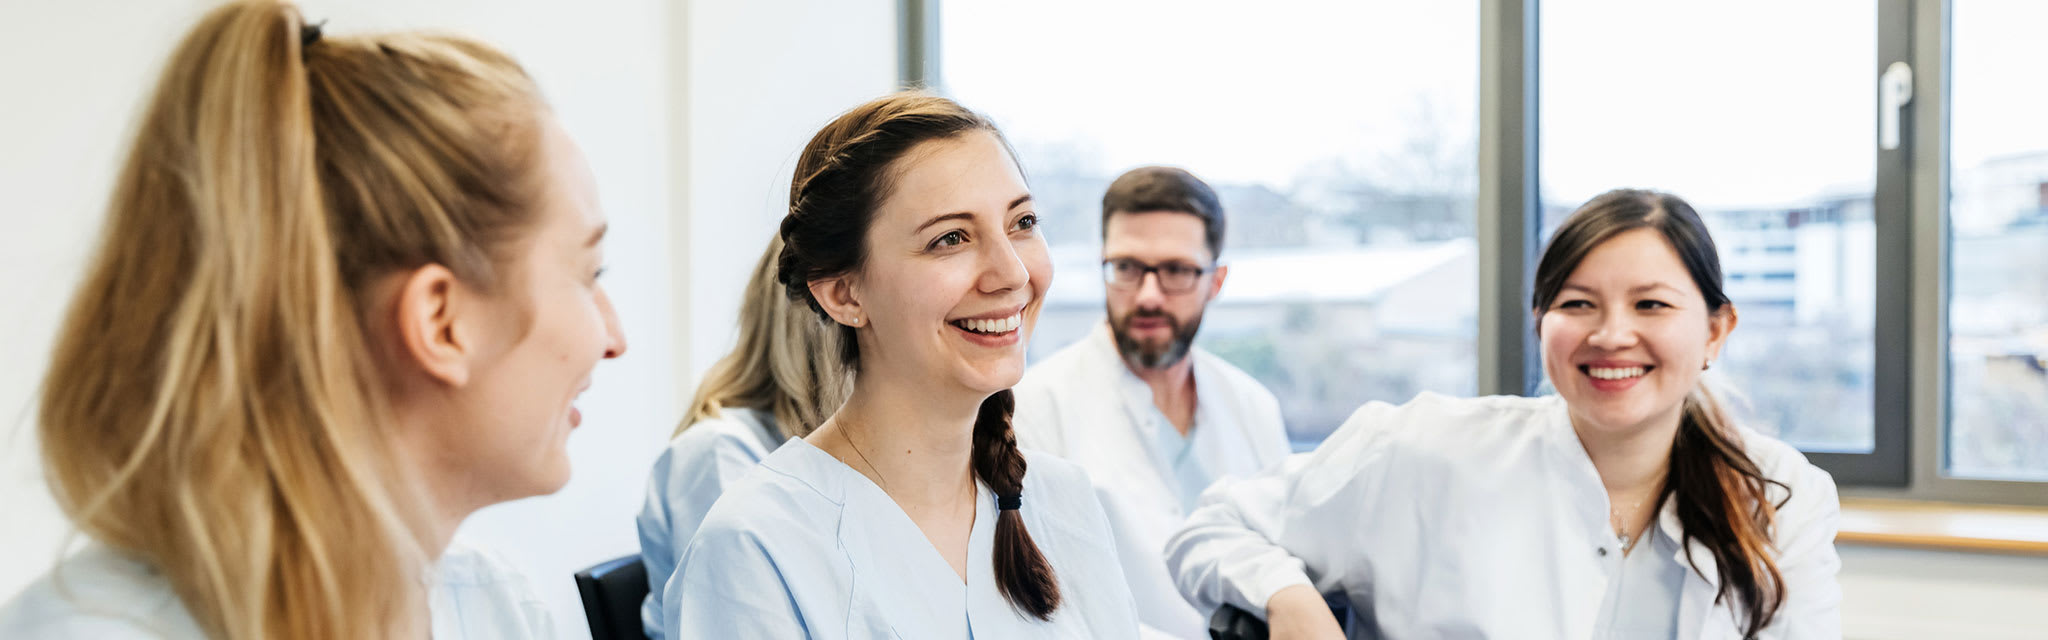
1166 189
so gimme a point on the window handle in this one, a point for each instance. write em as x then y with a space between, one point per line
1894 92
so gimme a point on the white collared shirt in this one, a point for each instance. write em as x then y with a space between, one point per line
1482 518
1083 404
101 593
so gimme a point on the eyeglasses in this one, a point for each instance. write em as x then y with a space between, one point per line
1174 277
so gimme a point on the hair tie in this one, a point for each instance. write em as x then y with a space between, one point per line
309 34
1009 503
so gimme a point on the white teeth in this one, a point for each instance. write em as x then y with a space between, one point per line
999 325
1603 373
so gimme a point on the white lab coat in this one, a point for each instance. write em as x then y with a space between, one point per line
1083 404
1478 518
696 467
100 593
807 547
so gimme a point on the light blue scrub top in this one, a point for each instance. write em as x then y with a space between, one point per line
807 547
100 593
688 477
1642 594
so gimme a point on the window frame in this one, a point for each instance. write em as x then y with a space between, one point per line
1910 198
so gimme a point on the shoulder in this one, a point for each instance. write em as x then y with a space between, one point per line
480 594
464 564
1786 465
1432 419
1057 371
1240 382
734 432
776 499
1053 475
98 593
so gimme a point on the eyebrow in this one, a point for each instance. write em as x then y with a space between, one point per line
598 236
963 215
1632 290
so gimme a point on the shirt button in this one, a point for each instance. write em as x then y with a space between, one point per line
1603 552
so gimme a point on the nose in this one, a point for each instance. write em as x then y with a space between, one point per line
1616 331
614 336
1002 269
1151 294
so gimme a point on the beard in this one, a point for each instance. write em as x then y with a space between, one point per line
1154 354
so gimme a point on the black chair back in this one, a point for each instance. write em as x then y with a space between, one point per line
612 591
1232 623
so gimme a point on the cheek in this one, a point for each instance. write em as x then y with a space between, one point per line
1559 336
1038 264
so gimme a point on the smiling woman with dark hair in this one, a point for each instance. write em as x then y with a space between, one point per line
910 512
1628 506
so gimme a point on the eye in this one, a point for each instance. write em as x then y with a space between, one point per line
1575 304
1027 222
1178 270
951 239
1651 305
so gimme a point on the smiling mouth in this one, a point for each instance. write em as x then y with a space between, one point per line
1616 373
991 326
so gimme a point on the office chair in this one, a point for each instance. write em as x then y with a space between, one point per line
612 591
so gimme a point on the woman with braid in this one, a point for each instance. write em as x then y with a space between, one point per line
910 512
1627 506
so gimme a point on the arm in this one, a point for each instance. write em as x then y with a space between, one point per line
1252 539
1036 421
728 587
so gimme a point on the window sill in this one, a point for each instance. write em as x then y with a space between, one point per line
1943 526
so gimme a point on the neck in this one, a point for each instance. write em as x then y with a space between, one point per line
918 448
1631 463
1173 388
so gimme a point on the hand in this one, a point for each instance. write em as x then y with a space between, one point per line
1299 613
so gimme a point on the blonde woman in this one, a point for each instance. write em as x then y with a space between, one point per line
347 295
779 382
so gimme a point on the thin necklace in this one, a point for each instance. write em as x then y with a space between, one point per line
1620 529
863 457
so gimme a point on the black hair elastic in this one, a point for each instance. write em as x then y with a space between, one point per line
1009 503
310 33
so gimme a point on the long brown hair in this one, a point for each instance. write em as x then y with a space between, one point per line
842 176
1719 493
786 362
211 406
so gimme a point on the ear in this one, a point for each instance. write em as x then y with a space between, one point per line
837 295
428 301
1719 325
1216 284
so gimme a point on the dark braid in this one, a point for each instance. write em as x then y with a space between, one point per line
1022 573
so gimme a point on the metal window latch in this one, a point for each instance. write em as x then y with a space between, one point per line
1894 92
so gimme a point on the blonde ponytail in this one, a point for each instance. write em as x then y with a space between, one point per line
210 406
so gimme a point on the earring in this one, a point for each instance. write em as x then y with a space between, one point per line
856 321
1708 365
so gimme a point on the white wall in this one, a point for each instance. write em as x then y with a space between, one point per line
691 113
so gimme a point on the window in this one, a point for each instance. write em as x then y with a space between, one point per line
1341 136
1894 298
1770 139
1998 244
